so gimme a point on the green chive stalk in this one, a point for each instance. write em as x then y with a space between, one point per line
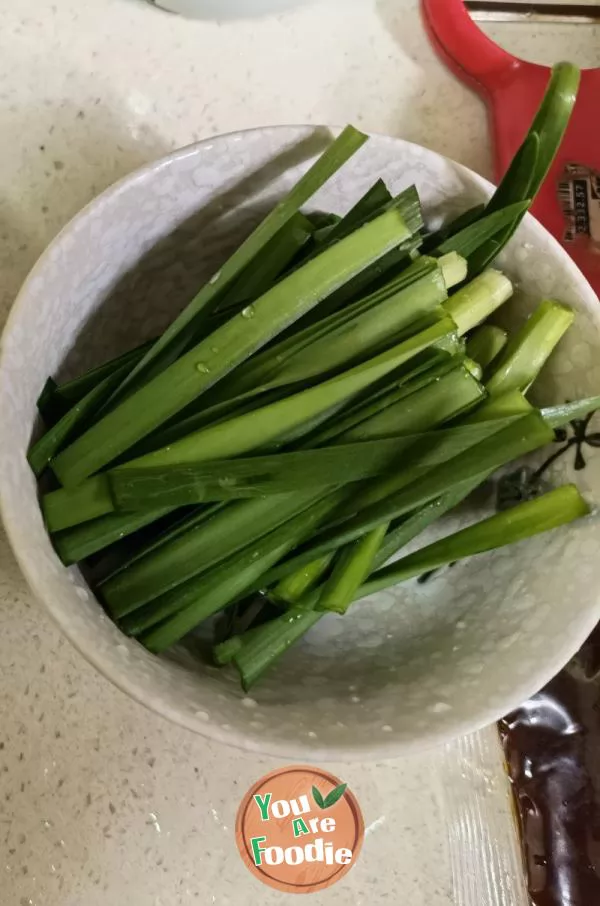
550 511
268 368
222 535
67 507
262 427
559 416
292 588
204 365
478 300
473 367
371 203
433 240
258 476
365 334
504 405
521 436
177 612
261 650
430 406
55 439
352 566
265 644
532 162
268 265
57 399
473 235
529 349
175 339
79 543
486 343
423 370
190 519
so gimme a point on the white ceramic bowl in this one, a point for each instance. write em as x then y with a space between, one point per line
412 667
226 9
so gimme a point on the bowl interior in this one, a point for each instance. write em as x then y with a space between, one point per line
409 667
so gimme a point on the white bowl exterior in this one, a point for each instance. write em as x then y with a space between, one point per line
414 666
226 9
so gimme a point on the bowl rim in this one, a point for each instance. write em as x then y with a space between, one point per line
540 675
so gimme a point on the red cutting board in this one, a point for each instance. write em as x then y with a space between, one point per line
569 202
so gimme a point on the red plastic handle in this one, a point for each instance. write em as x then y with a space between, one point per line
513 89
467 50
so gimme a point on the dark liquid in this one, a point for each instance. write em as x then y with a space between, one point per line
552 748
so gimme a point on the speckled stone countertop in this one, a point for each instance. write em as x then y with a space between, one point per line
100 801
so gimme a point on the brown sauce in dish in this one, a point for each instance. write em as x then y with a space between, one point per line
552 749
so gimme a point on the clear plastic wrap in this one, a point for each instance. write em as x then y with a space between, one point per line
483 842
537 844
552 747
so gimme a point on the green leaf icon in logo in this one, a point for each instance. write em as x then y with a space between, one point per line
334 796
318 798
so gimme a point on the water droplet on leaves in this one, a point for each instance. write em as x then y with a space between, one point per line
202 368
248 312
